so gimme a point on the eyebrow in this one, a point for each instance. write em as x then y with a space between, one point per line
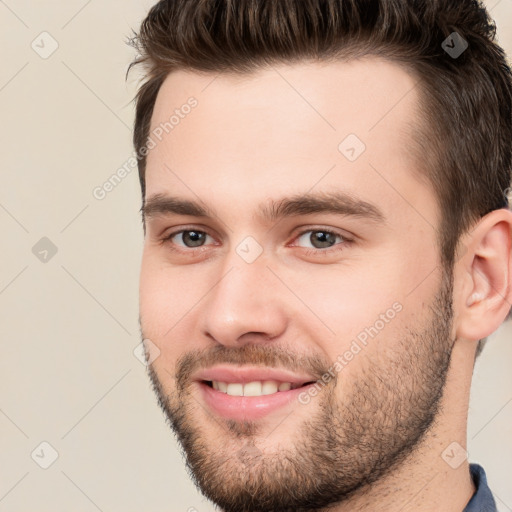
338 203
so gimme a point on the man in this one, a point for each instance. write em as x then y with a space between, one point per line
327 245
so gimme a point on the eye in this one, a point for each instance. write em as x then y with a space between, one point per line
322 241
190 238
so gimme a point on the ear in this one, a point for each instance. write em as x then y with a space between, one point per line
484 273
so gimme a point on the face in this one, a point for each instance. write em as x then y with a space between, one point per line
290 281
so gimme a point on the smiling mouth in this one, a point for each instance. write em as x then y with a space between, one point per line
254 388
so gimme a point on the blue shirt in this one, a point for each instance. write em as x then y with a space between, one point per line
482 500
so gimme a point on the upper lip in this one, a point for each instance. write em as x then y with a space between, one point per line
244 374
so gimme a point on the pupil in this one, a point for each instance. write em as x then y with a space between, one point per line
323 238
195 239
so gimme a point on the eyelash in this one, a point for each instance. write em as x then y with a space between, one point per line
309 252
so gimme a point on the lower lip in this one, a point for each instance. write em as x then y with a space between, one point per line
248 407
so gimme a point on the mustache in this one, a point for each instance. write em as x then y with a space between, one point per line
272 356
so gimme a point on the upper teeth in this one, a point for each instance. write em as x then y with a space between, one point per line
256 388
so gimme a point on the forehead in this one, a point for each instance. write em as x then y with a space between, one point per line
289 126
342 94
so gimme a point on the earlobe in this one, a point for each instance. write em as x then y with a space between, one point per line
486 271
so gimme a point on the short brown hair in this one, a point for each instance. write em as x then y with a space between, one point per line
464 143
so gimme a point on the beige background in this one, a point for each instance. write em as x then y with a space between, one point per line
69 325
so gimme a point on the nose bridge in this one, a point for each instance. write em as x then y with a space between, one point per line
243 300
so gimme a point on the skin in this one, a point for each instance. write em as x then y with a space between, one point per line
400 402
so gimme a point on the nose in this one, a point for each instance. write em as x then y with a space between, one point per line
245 306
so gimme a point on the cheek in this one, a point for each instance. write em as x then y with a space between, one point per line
152 291
163 320
164 300
347 301
361 311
